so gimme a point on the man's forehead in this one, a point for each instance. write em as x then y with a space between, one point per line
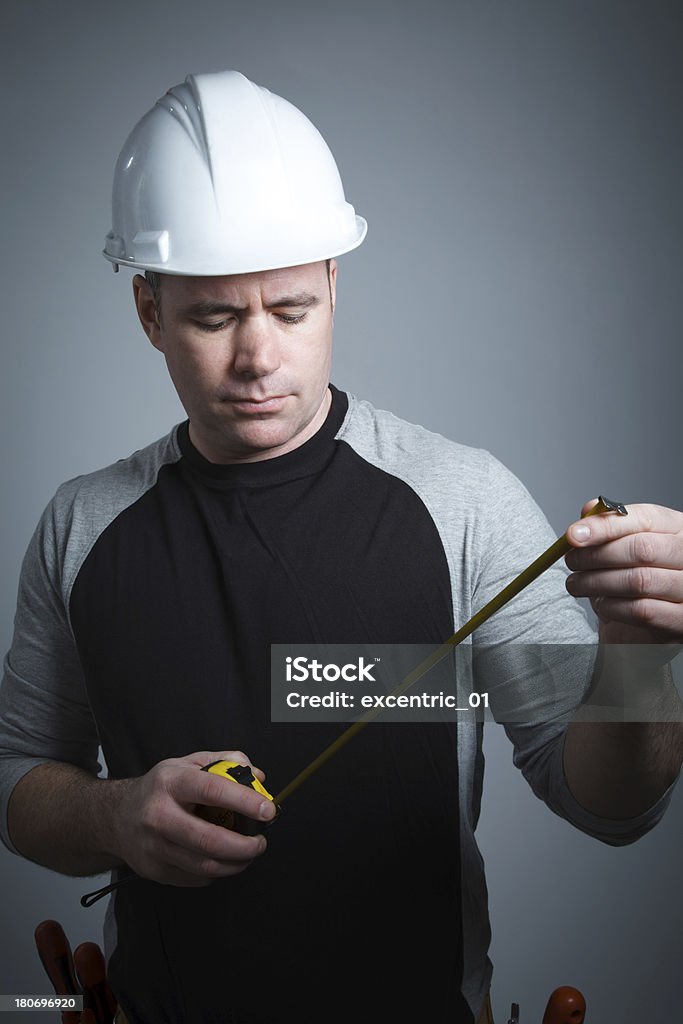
238 288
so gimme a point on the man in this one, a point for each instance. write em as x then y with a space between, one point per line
285 511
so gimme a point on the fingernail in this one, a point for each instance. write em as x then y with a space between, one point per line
581 532
265 811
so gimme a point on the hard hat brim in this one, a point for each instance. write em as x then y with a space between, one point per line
228 268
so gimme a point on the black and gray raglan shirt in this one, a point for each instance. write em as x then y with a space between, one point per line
149 598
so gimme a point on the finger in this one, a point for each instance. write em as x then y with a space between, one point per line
202 837
199 865
664 616
637 582
598 529
214 791
202 758
662 550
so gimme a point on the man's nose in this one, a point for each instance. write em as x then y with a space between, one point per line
257 351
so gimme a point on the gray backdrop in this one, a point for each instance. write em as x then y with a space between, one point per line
519 164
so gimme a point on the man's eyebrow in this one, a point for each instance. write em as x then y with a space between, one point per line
302 299
210 307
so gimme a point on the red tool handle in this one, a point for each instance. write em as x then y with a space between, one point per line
565 1006
92 974
56 957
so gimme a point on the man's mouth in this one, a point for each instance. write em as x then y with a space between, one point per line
271 403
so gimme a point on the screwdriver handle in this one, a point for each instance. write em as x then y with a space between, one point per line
57 959
565 1006
92 974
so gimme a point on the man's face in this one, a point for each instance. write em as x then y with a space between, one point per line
249 356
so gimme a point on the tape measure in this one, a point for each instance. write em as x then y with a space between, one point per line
235 772
243 776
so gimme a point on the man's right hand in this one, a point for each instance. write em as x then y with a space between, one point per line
156 832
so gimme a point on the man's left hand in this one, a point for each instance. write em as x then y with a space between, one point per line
631 568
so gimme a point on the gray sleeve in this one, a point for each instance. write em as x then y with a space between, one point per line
44 710
546 647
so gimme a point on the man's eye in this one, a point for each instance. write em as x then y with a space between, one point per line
203 326
292 318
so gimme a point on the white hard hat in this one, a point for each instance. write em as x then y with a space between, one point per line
222 176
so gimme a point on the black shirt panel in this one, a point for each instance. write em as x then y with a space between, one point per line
174 612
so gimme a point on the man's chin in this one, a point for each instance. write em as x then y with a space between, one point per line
261 439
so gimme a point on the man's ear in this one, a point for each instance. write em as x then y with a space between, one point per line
147 310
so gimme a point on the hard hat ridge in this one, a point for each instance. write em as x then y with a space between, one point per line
183 103
222 176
